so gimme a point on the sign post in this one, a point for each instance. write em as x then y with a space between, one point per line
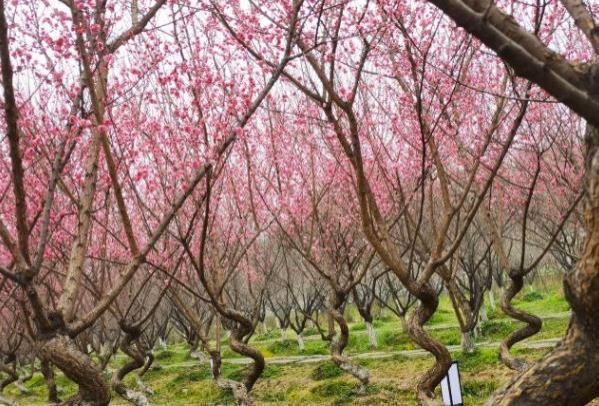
451 386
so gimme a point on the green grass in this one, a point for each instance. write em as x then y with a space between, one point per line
182 381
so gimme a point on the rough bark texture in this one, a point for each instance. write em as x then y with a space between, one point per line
236 343
140 374
338 345
130 346
427 383
61 351
568 374
532 327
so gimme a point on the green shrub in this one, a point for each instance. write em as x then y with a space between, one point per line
326 371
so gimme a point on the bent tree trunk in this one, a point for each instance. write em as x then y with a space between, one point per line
565 376
130 346
140 374
568 374
532 327
428 303
241 390
61 351
338 345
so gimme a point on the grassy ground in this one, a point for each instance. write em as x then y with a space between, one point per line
180 381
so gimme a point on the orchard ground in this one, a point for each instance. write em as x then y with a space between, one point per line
294 378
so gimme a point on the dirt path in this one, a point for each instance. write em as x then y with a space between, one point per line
305 359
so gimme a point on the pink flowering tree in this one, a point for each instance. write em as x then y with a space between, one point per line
94 162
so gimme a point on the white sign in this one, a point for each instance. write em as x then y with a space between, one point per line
451 387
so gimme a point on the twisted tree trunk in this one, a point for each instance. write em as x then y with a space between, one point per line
257 367
240 390
428 303
568 374
61 351
130 346
338 345
532 327
140 374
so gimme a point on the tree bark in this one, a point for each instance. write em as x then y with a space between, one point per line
491 299
215 363
130 346
467 342
236 343
300 342
61 351
371 335
568 374
338 345
48 374
533 325
428 303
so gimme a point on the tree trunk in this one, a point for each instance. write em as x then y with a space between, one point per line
338 345
140 374
428 303
467 342
300 342
215 363
404 323
533 325
483 314
371 335
491 299
61 351
236 343
240 393
48 374
130 347
568 374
